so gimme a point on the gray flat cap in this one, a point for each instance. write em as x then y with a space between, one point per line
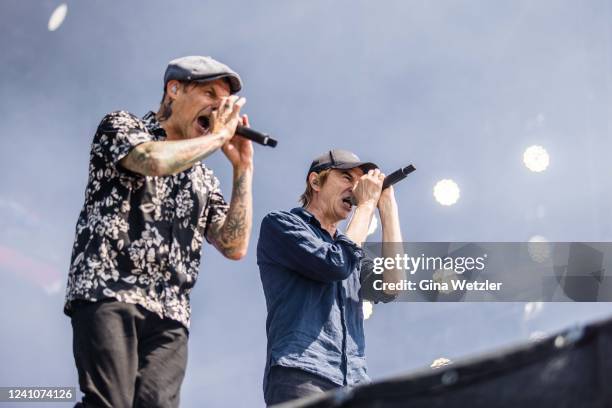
339 159
201 69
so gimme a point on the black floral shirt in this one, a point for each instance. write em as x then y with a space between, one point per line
138 239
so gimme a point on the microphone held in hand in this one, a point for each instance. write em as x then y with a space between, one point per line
391 179
397 175
255 136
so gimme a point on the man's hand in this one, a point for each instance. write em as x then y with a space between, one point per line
239 150
162 158
231 237
369 187
386 202
227 116
367 194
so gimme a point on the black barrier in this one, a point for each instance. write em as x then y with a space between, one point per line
572 368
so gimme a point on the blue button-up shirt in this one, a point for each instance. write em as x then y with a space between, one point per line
312 284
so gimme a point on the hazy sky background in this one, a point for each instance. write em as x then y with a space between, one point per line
458 88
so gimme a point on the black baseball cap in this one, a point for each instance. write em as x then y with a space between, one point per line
201 69
339 159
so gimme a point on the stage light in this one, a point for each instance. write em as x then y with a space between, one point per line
537 336
368 309
445 277
538 248
532 309
446 192
440 362
373 225
536 158
57 17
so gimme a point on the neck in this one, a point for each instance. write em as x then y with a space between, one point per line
172 132
328 223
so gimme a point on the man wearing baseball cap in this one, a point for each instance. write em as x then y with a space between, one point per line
312 274
149 204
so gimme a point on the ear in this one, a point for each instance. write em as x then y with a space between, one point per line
173 88
313 181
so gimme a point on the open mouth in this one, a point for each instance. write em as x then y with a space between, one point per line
348 202
204 123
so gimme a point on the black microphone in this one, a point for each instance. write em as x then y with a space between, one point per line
397 175
391 179
255 136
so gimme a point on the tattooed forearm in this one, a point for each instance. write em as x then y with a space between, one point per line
139 159
235 227
231 237
240 184
168 157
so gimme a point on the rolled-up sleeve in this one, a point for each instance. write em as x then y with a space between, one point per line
118 133
286 239
367 278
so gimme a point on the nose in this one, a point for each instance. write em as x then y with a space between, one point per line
216 102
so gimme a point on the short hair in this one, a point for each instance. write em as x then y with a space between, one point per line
307 195
184 84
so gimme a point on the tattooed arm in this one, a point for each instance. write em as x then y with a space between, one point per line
231 235
168 157
164 158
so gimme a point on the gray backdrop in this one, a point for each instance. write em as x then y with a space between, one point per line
459 88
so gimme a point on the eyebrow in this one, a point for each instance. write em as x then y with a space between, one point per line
211 89
348 173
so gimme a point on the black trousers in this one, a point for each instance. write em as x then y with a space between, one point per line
286 384
127 356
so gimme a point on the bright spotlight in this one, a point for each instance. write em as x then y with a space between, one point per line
373 225
537 336
368 309
536 158
532 309
440 362
445 275
539 249
57 17
446 192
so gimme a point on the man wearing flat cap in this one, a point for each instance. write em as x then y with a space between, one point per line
315 277
149 204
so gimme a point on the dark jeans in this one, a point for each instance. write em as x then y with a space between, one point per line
127 356
285 384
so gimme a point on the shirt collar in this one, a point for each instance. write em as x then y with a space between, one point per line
153 124
308 217
305 215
